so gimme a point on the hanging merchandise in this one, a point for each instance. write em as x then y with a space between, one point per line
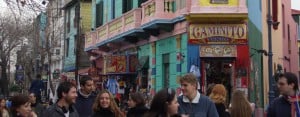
195 70
112 85
121 88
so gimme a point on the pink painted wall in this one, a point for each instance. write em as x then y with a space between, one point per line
290 54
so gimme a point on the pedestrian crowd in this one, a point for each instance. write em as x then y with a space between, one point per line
165 103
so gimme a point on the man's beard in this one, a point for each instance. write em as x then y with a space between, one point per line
69 100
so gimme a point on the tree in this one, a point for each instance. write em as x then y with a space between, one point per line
12 35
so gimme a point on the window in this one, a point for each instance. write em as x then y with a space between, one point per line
141 2
99 14
113 9
289 39
57 51
166 70
180 4
283 20
68 21
169 6
299 55
127 5
76 18
67 45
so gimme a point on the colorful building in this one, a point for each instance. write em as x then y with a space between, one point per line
256 89
173 36
77 22
296 16
290 39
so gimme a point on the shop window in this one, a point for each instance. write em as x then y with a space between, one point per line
166 70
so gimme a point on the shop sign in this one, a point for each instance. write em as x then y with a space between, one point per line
218 51
218 34
70 75
116 64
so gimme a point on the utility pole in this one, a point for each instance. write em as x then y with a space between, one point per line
77 40
270 55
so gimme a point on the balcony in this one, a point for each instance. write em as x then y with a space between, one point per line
90 38
162 14
126 27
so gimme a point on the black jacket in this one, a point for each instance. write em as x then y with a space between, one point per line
137 111
222 110
56 111
103 113
280 107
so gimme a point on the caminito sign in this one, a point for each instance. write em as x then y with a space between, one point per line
218 34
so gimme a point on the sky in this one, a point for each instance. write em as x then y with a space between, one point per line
296 4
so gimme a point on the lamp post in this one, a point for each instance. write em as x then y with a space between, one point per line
270 54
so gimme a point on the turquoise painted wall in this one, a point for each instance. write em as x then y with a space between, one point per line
177 68
69 61
255 41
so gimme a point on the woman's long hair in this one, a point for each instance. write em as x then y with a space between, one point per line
159 105
17 102
240 106
112 106
218 94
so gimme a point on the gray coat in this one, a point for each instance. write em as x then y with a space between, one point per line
56 111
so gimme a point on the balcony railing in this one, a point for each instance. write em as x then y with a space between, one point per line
126 22
90 39
158 9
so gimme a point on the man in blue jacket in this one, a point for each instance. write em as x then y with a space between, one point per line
86 98
281 106
191 102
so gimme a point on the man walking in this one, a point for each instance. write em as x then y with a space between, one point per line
86 98
284 105
37 107
191 102
66 93
37 86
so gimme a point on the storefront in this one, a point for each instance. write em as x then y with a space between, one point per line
224 55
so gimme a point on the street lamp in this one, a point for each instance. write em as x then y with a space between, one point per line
56 74
270 55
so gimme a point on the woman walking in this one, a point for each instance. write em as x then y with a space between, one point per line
136 104
240 106
105 106
164 104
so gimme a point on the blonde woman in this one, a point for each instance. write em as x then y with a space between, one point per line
240 106
218 96
105 106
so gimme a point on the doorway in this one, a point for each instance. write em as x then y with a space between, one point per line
218 71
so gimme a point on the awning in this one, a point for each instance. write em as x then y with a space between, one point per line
143 62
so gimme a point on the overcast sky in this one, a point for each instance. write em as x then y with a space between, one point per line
296 4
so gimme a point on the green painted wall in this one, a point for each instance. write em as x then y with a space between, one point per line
145 50
69 61
164 46
118 8
255 41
